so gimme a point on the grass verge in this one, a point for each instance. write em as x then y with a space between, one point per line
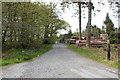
95 54
14 56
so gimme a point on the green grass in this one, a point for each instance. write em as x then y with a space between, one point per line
14 56
95 54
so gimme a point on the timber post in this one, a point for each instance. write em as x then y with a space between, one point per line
108 50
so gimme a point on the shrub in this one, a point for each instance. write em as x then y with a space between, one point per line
52 39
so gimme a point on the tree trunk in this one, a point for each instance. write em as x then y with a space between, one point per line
4 35
89 24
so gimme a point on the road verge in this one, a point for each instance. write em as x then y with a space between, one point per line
95 54
15 56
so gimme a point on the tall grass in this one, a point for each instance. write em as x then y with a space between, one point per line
14 56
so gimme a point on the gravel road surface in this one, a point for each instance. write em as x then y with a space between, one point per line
60 62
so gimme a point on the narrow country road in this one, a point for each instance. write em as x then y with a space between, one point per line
60 62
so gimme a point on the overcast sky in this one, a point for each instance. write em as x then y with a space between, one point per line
69 14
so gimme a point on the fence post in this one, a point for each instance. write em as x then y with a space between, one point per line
108 50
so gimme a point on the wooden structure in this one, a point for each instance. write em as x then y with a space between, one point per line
93 43
73 39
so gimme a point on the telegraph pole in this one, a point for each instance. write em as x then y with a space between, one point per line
80 37
79 4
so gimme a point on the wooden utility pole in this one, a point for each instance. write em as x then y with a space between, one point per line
79 4
89 24
80 37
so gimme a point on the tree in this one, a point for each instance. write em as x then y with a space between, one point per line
25 24
103 30
95 31
88 37
115 7
84 33
109 25
69 33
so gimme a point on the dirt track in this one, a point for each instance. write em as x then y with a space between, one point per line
60 62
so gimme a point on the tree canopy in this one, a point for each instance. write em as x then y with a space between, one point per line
109 24
26 24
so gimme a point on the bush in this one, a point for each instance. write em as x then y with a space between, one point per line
22 45
113 39
36 44
52 39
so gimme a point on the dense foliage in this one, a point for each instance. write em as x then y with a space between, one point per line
26 24
109 24
111 31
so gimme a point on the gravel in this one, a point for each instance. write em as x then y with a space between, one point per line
60 62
